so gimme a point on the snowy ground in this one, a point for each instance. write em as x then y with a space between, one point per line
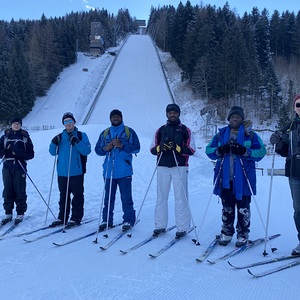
40 270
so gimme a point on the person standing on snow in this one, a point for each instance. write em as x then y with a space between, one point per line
236 148
173 144
16 148
72 146
117 143
287 143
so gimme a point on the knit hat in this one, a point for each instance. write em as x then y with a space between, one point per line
295 99
115 112
173 107
236 110
68 115
16 119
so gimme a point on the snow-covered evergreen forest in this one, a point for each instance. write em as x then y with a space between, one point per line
250 60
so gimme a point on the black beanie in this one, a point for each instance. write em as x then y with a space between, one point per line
115 112
68 115
173 107
16 119
236 110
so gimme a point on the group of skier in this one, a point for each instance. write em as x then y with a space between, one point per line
235 148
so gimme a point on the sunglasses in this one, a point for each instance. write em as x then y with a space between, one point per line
297 104
68 122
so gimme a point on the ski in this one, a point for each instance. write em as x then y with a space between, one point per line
12 227
81 237
34 231
209 249
115 239
249 245
275 270
264 262
147 240
169 245
55 231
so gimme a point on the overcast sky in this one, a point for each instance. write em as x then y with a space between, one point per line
33 9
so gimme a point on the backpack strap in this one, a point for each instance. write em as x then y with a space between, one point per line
127 131
82 157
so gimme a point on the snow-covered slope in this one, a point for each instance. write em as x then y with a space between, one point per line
40 270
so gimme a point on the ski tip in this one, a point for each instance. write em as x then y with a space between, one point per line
211 262
199 260
102 248
230 264
249 271
152 255
123 252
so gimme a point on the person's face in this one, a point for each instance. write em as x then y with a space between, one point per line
69 124
172 116
235 121
297 109
15 126
116 120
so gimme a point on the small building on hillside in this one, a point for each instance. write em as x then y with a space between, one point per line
96 39
141 24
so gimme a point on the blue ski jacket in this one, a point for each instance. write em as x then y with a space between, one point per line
118 162
243 166
83 147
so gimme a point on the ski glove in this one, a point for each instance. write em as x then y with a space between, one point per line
6 152
167 146
178 148
238 149
74 140
56 139
18 154
275 138
224 149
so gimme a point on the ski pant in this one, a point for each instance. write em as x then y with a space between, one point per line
179 178
126 199
14 181
229 203
76 188
295 191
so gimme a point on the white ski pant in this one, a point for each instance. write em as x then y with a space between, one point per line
179 178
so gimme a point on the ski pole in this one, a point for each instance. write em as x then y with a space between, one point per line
137 218
67 190
35 187
102 201
186 199
55 160
214 184
109 193
269 202
261 219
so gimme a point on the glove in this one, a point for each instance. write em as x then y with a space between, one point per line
178 148
73 140
6 152
238 149
224 149
275 138
18 154
167 146
56 140
158 149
